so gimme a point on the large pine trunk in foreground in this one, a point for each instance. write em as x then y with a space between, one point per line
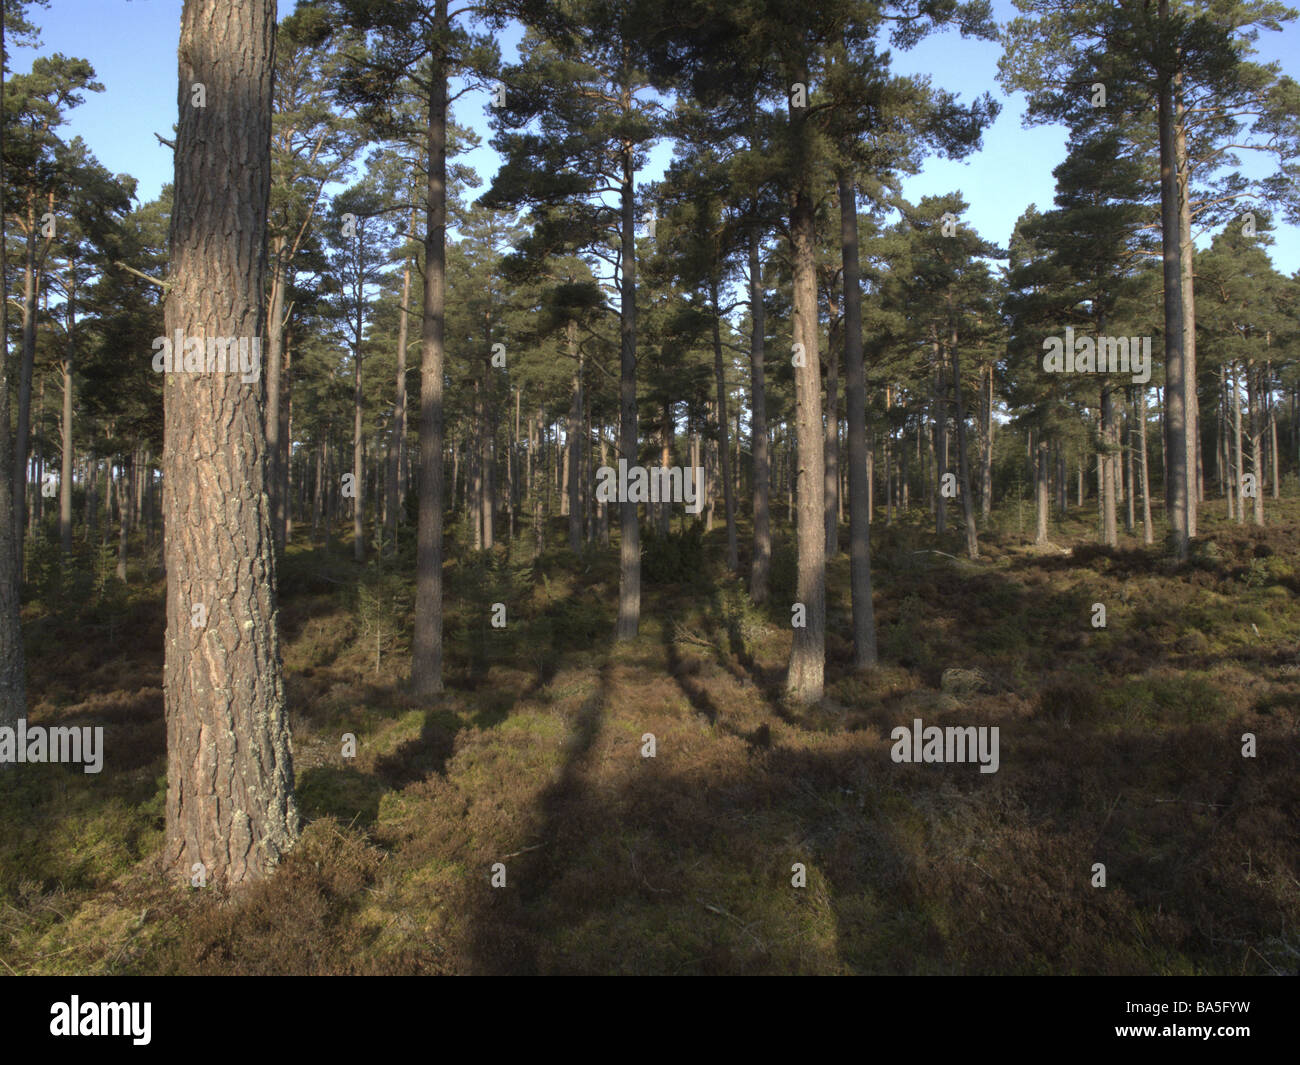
230 803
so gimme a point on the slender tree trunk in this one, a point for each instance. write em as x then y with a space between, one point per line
939 414
539 520
230 803
1148 534
603 508
286 443
358 403
1176 426
65 473
399 407
571 474
986 444
831 444
274 372
1130 497
1256 433
1225 445
123 523
487 462
963 467
724 444
1041 497
889 457
1186 252
855 384
1110 529
319 495
629 573
806 677
1236 435
761 563
1274 456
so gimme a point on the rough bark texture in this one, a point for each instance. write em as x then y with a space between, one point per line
806 678
230 803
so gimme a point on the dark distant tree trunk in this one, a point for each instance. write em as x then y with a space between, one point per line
889 458
1148 534
1236 435
123 523
939 414
963 467
1110 529
399 409
724 453
426 647
230 803
487 463
358 403
319 495
1256 433
855 383
1129 497
986 445
65 473
1041 498
514 464
831 445
1274 456
539 521
572 475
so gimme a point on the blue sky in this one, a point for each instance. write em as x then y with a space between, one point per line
132 46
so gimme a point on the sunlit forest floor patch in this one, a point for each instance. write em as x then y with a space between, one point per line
1120 746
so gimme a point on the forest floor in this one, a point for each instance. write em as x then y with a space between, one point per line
1120 746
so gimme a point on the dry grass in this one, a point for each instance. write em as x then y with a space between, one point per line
1119 745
